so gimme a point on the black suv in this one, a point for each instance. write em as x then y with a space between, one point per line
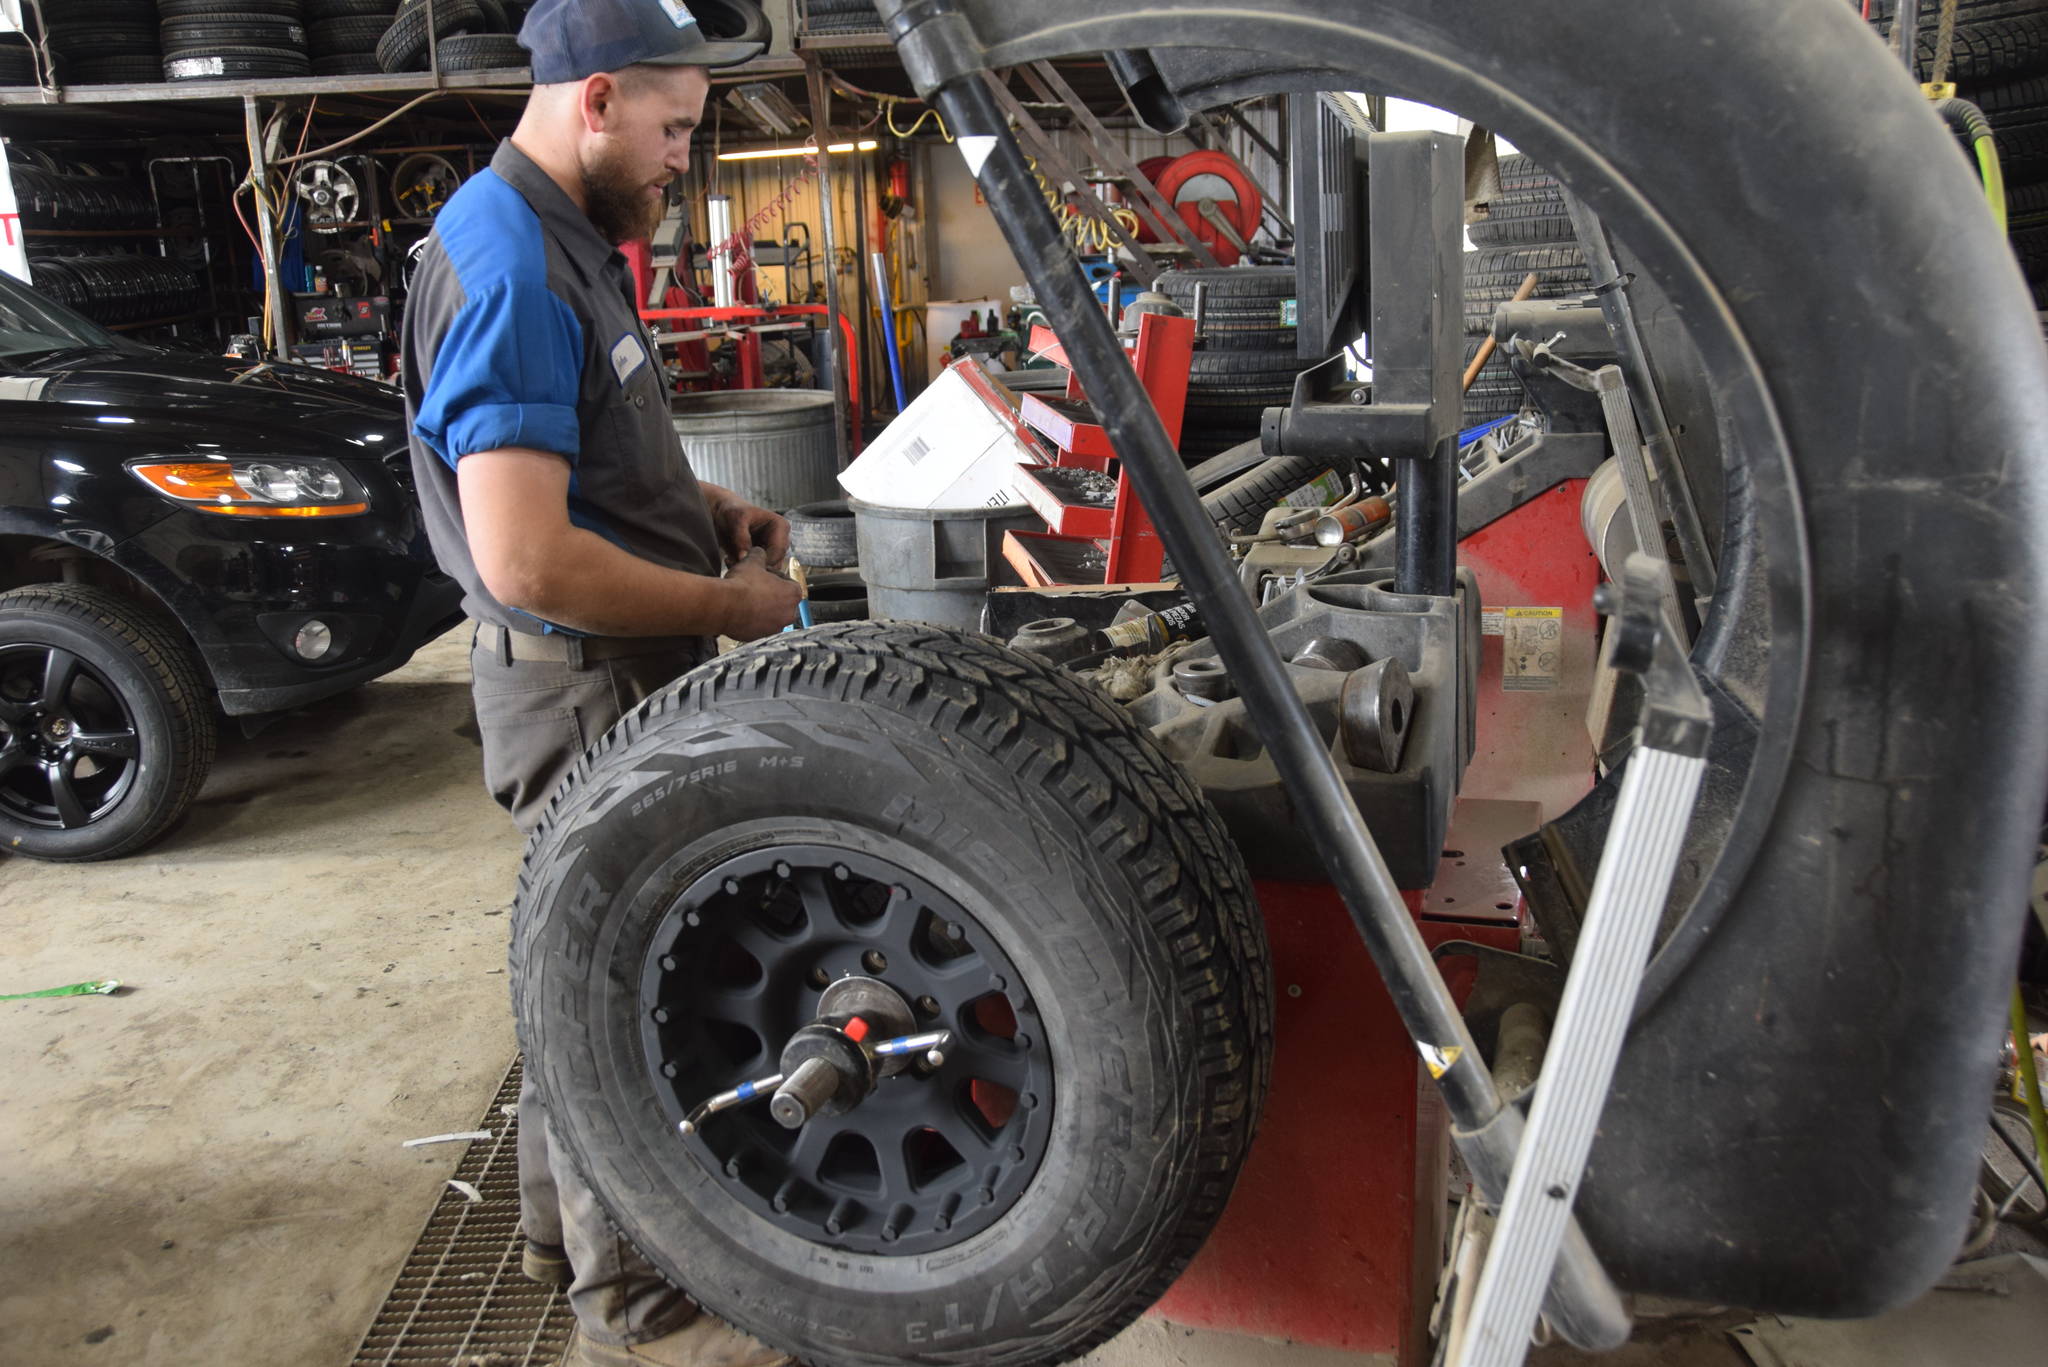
181 536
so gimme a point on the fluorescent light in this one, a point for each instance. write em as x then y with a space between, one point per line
770 110
763 153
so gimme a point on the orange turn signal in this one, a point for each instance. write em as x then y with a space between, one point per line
211 487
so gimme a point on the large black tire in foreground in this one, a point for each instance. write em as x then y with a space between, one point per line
1820 1021
106 723
1016 857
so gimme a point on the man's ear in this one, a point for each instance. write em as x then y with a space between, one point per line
595 98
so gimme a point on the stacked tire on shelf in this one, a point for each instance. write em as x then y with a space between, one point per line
17 60
834 18
78 200
117 287
468 35
821 538
229 40
1247 362
342 35
1527 229
1999 63
108 287
104 42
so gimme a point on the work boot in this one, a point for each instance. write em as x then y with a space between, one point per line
547 1264
705 1341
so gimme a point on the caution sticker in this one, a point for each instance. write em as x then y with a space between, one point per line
1532 648
1437 1058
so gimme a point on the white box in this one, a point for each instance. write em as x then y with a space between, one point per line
957 445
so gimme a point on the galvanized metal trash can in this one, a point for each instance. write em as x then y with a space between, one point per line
773 447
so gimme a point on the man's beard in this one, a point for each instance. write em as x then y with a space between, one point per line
618 206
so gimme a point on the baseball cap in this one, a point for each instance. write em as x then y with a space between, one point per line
572 39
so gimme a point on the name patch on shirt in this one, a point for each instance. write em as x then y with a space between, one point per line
628 355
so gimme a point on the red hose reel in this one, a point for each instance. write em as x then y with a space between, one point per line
1186 181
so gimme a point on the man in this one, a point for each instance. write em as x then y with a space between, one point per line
554 489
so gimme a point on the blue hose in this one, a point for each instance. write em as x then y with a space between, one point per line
880 261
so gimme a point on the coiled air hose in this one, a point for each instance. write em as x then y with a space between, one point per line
1967 121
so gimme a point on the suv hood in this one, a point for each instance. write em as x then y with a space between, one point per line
245 403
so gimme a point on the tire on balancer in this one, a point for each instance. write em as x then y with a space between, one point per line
931 808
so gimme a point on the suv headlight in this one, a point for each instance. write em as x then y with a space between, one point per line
257 486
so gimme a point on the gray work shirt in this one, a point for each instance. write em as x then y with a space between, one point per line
521 329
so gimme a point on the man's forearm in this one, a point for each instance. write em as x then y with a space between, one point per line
583 581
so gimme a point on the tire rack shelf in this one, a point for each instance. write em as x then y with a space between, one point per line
101 234
386 83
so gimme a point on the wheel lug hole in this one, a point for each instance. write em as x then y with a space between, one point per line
820 979
874 961
731 886
668 963
987 1196
669 1070
955 931
841 872
928 1006
692 919
782 869
661 1015
1029 1101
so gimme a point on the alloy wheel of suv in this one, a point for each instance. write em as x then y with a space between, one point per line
106 731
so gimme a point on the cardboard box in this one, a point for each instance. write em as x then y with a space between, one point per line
957 445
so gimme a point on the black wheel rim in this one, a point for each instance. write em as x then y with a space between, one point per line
933 1156
69 746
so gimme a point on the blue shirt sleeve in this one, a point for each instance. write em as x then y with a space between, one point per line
507 373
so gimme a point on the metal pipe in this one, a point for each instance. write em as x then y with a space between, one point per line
862 304
1906 34
718 220
879 263
835 348
276 300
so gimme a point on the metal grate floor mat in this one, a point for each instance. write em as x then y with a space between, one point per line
460 1300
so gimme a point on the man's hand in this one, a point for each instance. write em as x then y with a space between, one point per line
742 527
764 602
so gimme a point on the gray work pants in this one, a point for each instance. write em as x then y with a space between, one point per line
536 718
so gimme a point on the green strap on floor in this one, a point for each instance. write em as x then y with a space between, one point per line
99 989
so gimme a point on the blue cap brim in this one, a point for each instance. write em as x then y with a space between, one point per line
708 53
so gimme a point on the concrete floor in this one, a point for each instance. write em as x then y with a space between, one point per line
206 1168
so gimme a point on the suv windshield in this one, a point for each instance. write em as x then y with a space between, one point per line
32 326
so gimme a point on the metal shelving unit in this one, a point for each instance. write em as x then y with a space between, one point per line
30 109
